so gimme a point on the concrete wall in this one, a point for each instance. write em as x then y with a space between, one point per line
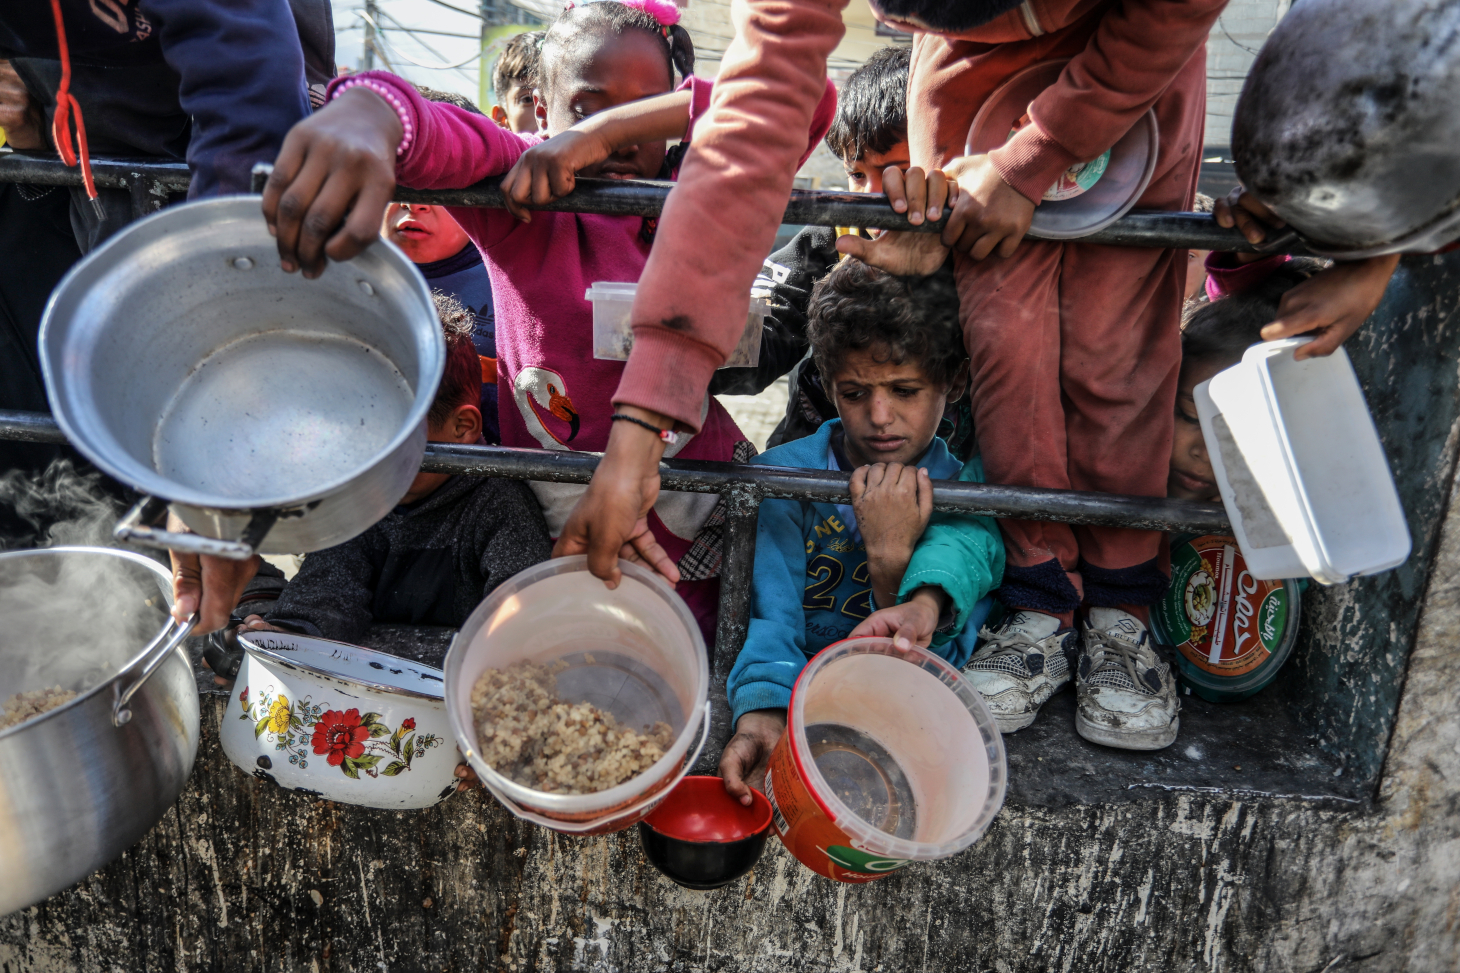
1234 42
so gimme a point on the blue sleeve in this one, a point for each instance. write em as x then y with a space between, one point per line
242 80
775 645
965 557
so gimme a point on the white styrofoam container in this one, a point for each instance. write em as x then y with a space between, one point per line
613 332
1300 467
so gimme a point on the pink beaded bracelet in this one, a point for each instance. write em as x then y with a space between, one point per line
408 130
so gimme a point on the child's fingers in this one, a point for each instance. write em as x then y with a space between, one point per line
294 205
654 555
859 483
561 181
937 193
286 167
985 245
323 219
516 189
892 186
362 226
915 186
925 495
853 246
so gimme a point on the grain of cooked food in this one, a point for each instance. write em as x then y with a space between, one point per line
32 703
532 737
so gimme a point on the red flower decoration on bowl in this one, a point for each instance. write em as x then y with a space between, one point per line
409 724
340 735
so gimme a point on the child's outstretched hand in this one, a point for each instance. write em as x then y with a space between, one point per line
904 253
911 623
332 181
892 503
989 215
1243 210
549 170
744 759
1333 303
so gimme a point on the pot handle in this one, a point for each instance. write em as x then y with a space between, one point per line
133 529
153 656
576 827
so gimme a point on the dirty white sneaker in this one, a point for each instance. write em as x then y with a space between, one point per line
1126 694
1019 666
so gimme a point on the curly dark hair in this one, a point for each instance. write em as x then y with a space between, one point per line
461 382
858 307
1221 330
576 24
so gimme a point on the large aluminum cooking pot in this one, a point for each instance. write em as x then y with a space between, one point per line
85 781
272 412
1349 125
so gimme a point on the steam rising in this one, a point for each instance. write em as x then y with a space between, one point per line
70 619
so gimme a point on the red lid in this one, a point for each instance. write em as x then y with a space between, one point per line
700 810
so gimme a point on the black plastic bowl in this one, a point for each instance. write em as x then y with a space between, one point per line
703 838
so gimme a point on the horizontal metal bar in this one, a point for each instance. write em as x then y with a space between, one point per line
771 482
48 170
645 198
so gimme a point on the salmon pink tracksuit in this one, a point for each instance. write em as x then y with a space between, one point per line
1075 348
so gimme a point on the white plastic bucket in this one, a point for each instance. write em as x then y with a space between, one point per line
888 757
634 651
1300 467
613 332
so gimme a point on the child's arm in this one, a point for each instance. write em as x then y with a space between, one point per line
1334 303
331 595
338 168
892 503
963 556
759 686
548 171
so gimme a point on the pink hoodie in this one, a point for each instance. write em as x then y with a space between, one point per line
553 394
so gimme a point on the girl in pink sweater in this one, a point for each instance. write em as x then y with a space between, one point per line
553 393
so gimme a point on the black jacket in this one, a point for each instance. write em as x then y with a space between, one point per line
427 563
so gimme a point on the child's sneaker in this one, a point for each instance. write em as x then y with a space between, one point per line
1126 693
1019 666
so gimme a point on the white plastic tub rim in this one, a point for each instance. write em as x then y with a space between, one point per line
1300 467
613 335
493 637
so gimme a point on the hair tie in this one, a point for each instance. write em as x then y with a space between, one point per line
664 12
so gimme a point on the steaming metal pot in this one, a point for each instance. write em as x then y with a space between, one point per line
85 781
1348 127
271 413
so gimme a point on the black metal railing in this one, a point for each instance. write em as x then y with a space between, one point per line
743 487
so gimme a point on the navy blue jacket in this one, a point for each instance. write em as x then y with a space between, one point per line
221 82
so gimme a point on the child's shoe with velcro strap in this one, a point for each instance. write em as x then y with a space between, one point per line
1125 692
1020 665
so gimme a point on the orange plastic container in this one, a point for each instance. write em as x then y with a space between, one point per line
888 757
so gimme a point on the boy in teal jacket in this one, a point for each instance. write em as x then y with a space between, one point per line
891 358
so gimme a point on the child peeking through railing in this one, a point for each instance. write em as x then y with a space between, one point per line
891 357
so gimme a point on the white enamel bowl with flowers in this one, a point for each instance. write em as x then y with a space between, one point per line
340 722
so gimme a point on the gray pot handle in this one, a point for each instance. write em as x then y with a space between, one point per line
133 529
153 656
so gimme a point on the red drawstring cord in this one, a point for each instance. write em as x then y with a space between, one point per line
65 106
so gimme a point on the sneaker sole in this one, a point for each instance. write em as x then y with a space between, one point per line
1013 724
1158 739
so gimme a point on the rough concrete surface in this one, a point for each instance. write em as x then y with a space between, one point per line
244 876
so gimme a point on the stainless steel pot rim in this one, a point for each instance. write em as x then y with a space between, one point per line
107 684
287 661
1448 220
147 480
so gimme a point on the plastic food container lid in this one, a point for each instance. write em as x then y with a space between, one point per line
1232 632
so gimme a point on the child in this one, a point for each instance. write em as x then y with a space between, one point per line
1244 300
514 79
433 558
594 57
888 350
